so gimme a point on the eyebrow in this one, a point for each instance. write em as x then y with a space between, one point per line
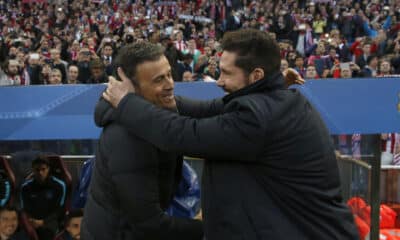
162 75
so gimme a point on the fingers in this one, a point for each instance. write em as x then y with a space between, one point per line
122 75
127 83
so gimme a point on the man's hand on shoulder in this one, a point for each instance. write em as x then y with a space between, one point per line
292 77
116 90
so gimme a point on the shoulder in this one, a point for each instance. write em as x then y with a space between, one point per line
115 136
58 182
122 151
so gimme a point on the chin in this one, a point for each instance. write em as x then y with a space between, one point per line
169 106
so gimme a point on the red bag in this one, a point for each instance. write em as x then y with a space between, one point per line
387 216
356 204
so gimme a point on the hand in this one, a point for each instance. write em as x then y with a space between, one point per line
199 216
117 90
36 223
292 77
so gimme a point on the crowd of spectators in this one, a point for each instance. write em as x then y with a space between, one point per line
75 41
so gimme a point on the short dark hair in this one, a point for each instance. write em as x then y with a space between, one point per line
254 49
130 56
9 208
40 160
73 213
96 63
108 44
371 57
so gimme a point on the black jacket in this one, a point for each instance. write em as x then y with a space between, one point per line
132 184
270 170
44 200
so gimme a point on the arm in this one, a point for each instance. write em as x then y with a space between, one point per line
134 169
198 109
387 23
60 191
224 136
368 30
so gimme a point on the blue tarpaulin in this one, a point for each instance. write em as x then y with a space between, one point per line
66 111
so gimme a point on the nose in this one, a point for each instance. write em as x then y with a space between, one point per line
169 84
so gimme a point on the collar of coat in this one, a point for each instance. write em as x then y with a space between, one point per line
274 81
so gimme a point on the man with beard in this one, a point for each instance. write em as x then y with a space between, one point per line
9 74
72 229
42 198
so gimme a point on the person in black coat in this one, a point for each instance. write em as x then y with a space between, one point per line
270 170
133 182
43 199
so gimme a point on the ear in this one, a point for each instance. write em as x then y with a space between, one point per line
257 74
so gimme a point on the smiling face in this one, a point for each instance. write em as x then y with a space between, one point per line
8 222
155 82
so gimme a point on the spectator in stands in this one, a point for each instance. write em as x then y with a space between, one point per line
284 65
212 69
173 55
42 198
126 162
34 68
346 72
231 134
370 70
73 73
299 65
384 68
45 71
9 73
72 230
361 60
98 71
187 76
9 225
184 66
311 72
84 57
59 64
192 49
107 56
55 77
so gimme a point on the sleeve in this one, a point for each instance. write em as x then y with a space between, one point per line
354 47
24 198
51 220
134 169
387 23
368 30
198 109
225 136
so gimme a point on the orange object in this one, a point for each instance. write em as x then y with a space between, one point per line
356 204
362 227
387 216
